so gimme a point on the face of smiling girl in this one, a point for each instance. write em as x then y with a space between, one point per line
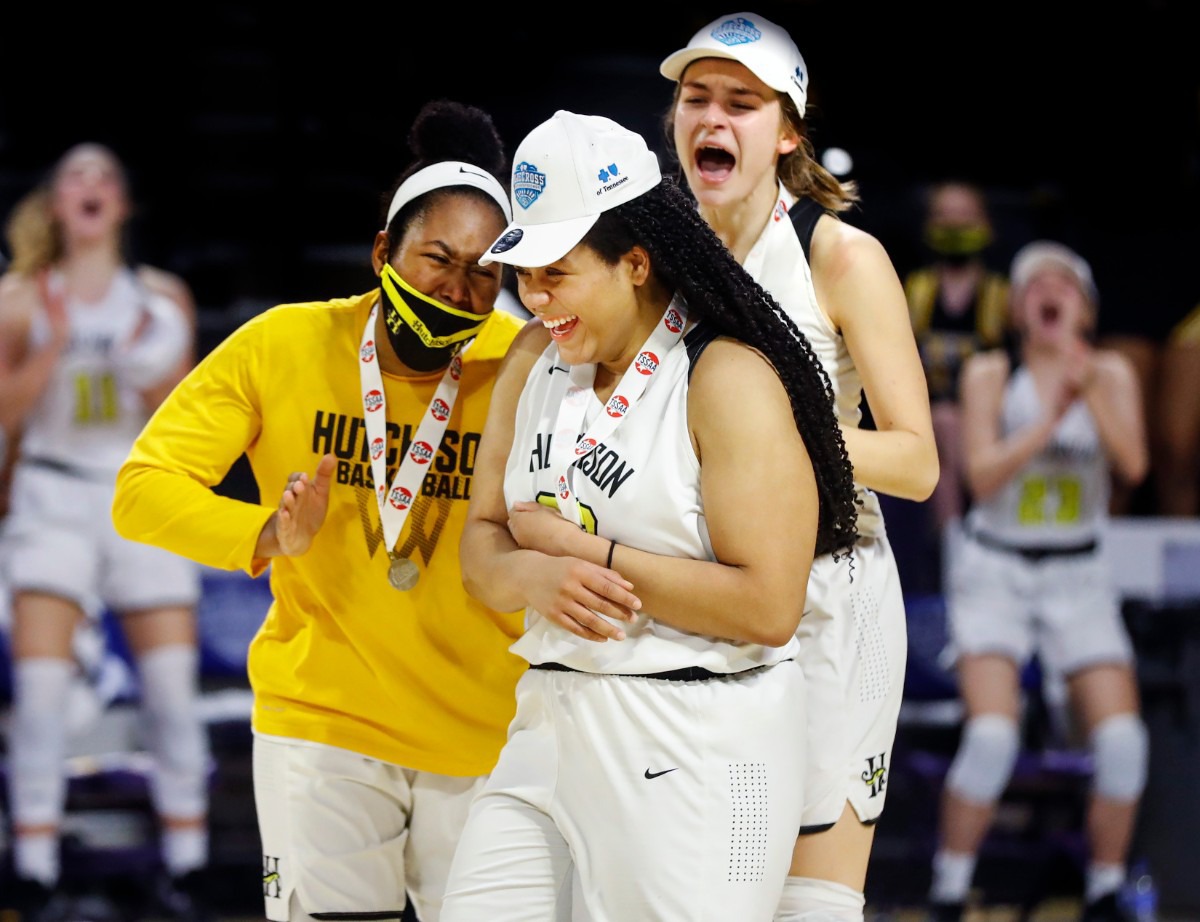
591 308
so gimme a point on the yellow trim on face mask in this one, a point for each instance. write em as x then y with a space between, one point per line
398 314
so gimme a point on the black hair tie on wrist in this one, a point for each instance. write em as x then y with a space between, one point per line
612 547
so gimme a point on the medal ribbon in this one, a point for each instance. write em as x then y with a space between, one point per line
567 448
396 502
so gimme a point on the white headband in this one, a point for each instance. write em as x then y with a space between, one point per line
445 175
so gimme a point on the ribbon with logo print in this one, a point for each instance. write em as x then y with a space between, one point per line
395 502
566 450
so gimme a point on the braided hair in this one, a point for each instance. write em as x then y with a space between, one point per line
689 257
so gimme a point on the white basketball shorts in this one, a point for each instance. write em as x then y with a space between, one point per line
346 836
853 650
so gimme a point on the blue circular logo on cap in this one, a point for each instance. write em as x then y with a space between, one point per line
508 241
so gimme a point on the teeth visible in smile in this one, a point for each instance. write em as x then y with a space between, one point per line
558 322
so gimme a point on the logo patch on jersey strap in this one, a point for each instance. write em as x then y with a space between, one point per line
646 363
440 410
740 31
373 401
673 320
368 351
563 490
377 448
421 453
528 184
584 446
617 406
650 774
875 777
400 498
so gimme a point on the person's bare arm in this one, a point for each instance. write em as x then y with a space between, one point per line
760 503
25 370
174 287
495 570
1113 396
992 459
864 299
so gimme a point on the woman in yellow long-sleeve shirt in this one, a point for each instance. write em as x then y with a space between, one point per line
382 690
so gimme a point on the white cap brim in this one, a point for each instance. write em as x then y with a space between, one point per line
531 246
674 65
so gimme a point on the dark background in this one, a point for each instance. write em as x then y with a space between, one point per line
260 138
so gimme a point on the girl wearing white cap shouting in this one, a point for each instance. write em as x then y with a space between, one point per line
737 123
660 463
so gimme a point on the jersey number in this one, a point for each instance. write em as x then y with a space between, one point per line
95 398
1053 499
586 515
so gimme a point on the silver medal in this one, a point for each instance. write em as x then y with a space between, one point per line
403 574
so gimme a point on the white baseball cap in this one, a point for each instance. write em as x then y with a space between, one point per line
1041 254
763 47
568 171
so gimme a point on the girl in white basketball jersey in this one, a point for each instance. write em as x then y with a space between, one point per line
89 345
659 466
1044 430
737 124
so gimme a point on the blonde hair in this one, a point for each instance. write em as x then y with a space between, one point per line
802 174
34 239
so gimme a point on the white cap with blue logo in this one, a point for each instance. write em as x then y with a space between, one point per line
763 47
568 171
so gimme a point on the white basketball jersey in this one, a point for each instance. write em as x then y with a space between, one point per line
1060 498
641 487
777 262
87 418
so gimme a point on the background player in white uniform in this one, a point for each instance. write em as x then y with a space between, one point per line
739 135
662 522
88 347
1045 429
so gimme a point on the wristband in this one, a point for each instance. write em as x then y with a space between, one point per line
612 547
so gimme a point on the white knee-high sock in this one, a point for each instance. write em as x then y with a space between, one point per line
37 747
179 741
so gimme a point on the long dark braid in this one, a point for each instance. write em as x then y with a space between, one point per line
689 257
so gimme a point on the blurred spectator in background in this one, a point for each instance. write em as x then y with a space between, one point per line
90 343
1175 421
958 306
1046 426
382 691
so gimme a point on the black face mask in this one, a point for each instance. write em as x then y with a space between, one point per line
425 333
958 245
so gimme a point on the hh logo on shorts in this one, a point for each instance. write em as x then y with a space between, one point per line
272 882
875 777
